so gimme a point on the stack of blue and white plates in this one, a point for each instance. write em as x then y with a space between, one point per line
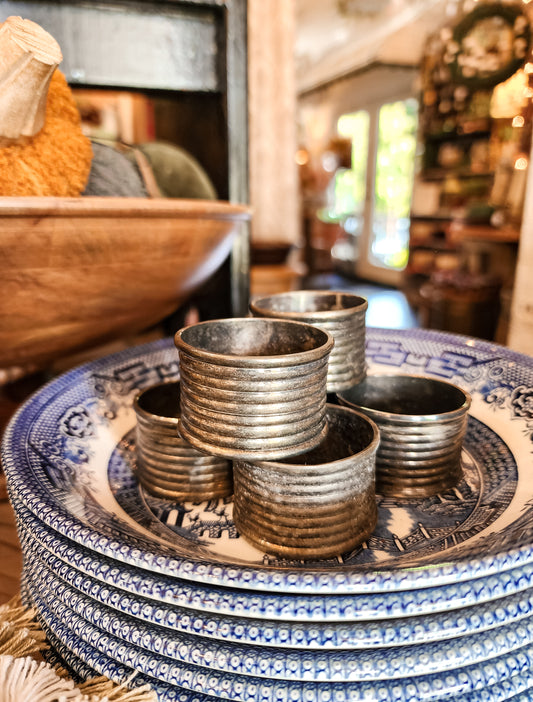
436 605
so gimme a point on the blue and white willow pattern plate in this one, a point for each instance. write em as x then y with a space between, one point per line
68 456
95 663
319 665
71 585
88 643
87 663
515 688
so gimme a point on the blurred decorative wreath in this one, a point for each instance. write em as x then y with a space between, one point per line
488 45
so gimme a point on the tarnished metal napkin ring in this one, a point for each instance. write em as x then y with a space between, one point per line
422 423
253 388
340 313
167 465
316 505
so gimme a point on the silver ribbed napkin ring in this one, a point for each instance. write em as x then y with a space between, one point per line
422 423
342 314
167 465
253 388
317 505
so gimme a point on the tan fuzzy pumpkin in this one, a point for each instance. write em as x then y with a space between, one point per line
43 150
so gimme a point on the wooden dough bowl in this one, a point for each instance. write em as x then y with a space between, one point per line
77 272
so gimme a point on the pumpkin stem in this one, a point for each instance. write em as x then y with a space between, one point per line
28 59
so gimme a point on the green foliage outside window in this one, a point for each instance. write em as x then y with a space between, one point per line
350 185
396 157
395 163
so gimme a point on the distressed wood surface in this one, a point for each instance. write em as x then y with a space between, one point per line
10 553
77 272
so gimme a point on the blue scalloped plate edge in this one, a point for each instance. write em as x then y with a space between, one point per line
346 579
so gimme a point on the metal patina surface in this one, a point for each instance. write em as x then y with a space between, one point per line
253 388
422 423
317 505
342 314
167 466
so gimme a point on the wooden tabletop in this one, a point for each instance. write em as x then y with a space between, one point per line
10 554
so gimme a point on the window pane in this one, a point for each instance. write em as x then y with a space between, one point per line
350 187
395 162
350 184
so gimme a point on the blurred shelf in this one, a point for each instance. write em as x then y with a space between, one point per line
460 231
437 174
430 218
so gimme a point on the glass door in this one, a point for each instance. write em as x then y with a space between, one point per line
374 195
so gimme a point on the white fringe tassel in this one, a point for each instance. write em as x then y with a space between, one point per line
24 679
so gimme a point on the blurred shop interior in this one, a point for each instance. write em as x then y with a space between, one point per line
383 144
414 165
